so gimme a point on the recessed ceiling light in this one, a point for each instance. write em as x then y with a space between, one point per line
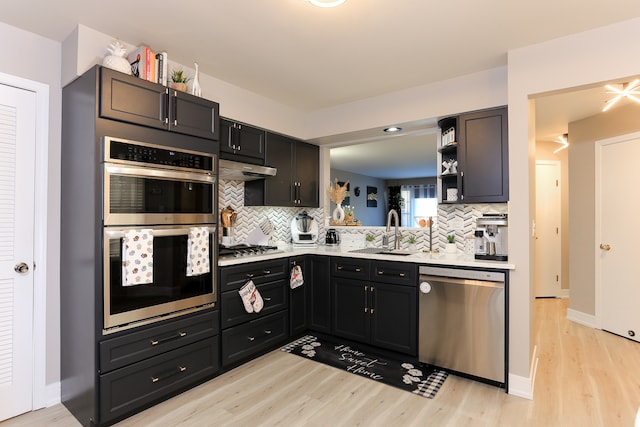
326 3
629 90
563 140
393 129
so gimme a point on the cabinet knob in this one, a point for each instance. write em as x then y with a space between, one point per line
605 247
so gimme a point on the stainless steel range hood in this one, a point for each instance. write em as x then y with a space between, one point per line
238 171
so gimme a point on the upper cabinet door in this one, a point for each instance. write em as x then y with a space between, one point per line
484 157
192 115
279 189
307 172
240 140
133 100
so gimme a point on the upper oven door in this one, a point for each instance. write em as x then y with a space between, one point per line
143 195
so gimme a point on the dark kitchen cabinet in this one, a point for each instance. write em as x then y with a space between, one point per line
134 100
297 181
298 297
319 295
375 303
241 142
310 304
247 335
480 148
106 375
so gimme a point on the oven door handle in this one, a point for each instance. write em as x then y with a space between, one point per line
157 232
158 173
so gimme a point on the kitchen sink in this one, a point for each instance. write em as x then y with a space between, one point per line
383 251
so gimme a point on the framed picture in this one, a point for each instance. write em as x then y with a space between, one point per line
347 199
372 197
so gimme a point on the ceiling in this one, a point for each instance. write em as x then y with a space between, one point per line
311 58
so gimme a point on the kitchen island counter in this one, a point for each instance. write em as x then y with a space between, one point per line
419 257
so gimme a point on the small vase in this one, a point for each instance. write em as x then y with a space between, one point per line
338 213
348 218
450 248
195 86
117 63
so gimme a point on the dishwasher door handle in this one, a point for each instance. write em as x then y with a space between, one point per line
456 281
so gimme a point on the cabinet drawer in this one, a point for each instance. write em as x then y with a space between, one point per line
400 273
133 347
241 342
273 294
352 268
128 389
233 277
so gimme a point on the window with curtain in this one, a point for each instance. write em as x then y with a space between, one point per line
420 201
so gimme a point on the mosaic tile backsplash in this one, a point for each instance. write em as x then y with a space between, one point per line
459 220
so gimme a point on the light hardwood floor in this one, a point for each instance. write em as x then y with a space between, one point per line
585 377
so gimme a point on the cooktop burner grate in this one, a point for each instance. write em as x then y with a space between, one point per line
243 250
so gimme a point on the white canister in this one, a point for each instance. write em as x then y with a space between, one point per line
452 194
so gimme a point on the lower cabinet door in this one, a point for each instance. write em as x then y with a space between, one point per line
351 311
243 341
131 388
394 317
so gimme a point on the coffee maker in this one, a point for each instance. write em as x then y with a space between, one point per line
491 237
304 230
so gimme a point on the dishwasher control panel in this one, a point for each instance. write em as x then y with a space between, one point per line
491 276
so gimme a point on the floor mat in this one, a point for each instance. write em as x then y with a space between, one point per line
409 376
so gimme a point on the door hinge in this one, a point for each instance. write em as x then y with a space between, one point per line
557 278
557 183
557 230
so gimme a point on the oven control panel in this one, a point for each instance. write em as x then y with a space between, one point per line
138 152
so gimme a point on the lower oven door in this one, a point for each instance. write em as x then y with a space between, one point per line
171 291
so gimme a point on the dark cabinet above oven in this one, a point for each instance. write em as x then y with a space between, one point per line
134 100
241 142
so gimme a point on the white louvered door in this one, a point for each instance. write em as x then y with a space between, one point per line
17 162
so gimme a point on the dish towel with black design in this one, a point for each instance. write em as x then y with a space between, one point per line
198 251
137 257
296 277
251 298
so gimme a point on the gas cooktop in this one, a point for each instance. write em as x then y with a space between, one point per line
243 250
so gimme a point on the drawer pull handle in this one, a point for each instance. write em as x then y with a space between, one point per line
249 275
339 267
267 331
380 273
358 269
266 298
402 274
251 338
267 271
155 379
175 337
182 368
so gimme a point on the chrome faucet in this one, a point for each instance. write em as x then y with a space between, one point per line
398 236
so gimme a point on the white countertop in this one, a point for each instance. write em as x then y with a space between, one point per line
458 259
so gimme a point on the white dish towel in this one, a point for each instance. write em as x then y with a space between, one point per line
137 257
198 251
296 277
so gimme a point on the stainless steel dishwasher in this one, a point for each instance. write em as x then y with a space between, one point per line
462 321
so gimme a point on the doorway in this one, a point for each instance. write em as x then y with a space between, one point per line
24 125
548 243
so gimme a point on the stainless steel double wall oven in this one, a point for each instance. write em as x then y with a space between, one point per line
170 192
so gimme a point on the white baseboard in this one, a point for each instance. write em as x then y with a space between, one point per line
523 386
53 394
582 318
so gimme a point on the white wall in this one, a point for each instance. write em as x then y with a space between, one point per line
593 56
38 59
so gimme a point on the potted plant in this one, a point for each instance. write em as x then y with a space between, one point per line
412 240
450 248
369 238
348 213
179 80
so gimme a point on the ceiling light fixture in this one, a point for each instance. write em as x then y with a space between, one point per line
564 140
326 3
629 90
393 129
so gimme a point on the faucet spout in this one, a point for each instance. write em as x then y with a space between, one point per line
394 214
